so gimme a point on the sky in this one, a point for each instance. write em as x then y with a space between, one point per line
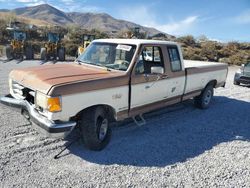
222 20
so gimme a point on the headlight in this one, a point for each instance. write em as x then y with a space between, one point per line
239 71
52 104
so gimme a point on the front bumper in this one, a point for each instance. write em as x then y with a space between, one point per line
241 78
54 128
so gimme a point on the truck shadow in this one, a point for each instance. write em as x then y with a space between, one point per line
173 135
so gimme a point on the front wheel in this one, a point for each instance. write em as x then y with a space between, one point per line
43 54
204 99
236 83
61 54
95 129
29 53
9 52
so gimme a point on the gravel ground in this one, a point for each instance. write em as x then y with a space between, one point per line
180 146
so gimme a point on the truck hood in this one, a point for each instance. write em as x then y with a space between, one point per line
43 78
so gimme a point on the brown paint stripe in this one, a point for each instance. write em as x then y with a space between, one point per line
197 70
156 105
90 85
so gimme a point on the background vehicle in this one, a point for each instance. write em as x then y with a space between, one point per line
111 81
243 75
19 47
53 48
86 40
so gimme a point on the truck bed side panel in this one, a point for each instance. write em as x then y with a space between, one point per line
198 78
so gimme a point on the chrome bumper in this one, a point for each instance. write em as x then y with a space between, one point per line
54 128
241 78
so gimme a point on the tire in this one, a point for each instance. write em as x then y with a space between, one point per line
9 52
95 129
236 83
61 54
29 53
43 54
204 99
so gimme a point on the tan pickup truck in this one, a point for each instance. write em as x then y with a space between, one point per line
112 80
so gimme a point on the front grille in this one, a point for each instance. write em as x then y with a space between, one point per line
245 78
23 92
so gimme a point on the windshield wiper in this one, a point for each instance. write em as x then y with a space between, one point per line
100 65
87 62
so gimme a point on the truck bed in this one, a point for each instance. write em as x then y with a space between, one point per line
199 73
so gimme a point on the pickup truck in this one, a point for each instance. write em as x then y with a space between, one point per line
111 81
242 75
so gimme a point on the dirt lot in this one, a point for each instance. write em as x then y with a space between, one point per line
180 146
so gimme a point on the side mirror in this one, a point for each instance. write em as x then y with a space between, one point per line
157 70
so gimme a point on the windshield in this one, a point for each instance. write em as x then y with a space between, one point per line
52 37
109 55
18 35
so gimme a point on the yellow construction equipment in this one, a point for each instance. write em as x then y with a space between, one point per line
53 48
86 40
19 47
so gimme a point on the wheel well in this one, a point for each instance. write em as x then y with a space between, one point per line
110 111
212 82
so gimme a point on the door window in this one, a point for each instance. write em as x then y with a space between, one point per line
151 56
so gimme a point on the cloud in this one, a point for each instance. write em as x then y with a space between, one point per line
68 2
140 15
243 18
80 8
27 1
35 3
143 15
63 5
75 6
178 27
31 2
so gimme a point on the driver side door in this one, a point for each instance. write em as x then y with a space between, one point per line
148 88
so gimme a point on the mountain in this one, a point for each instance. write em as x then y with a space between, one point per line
99 21
44 12
105 22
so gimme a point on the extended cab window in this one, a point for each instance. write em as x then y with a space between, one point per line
151 56
174 57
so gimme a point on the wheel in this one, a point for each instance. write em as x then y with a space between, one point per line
204 99
9 52
95 129
61 54
236 83
43 54
29 53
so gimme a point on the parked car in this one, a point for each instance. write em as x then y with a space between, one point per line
242 76
118 83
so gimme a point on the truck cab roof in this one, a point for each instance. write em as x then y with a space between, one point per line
135 41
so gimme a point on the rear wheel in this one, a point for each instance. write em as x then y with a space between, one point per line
95 129
61 54
9 52
204 99
43 54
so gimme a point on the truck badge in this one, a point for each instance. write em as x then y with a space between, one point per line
117 96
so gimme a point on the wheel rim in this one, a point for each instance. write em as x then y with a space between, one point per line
208 97
103 129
